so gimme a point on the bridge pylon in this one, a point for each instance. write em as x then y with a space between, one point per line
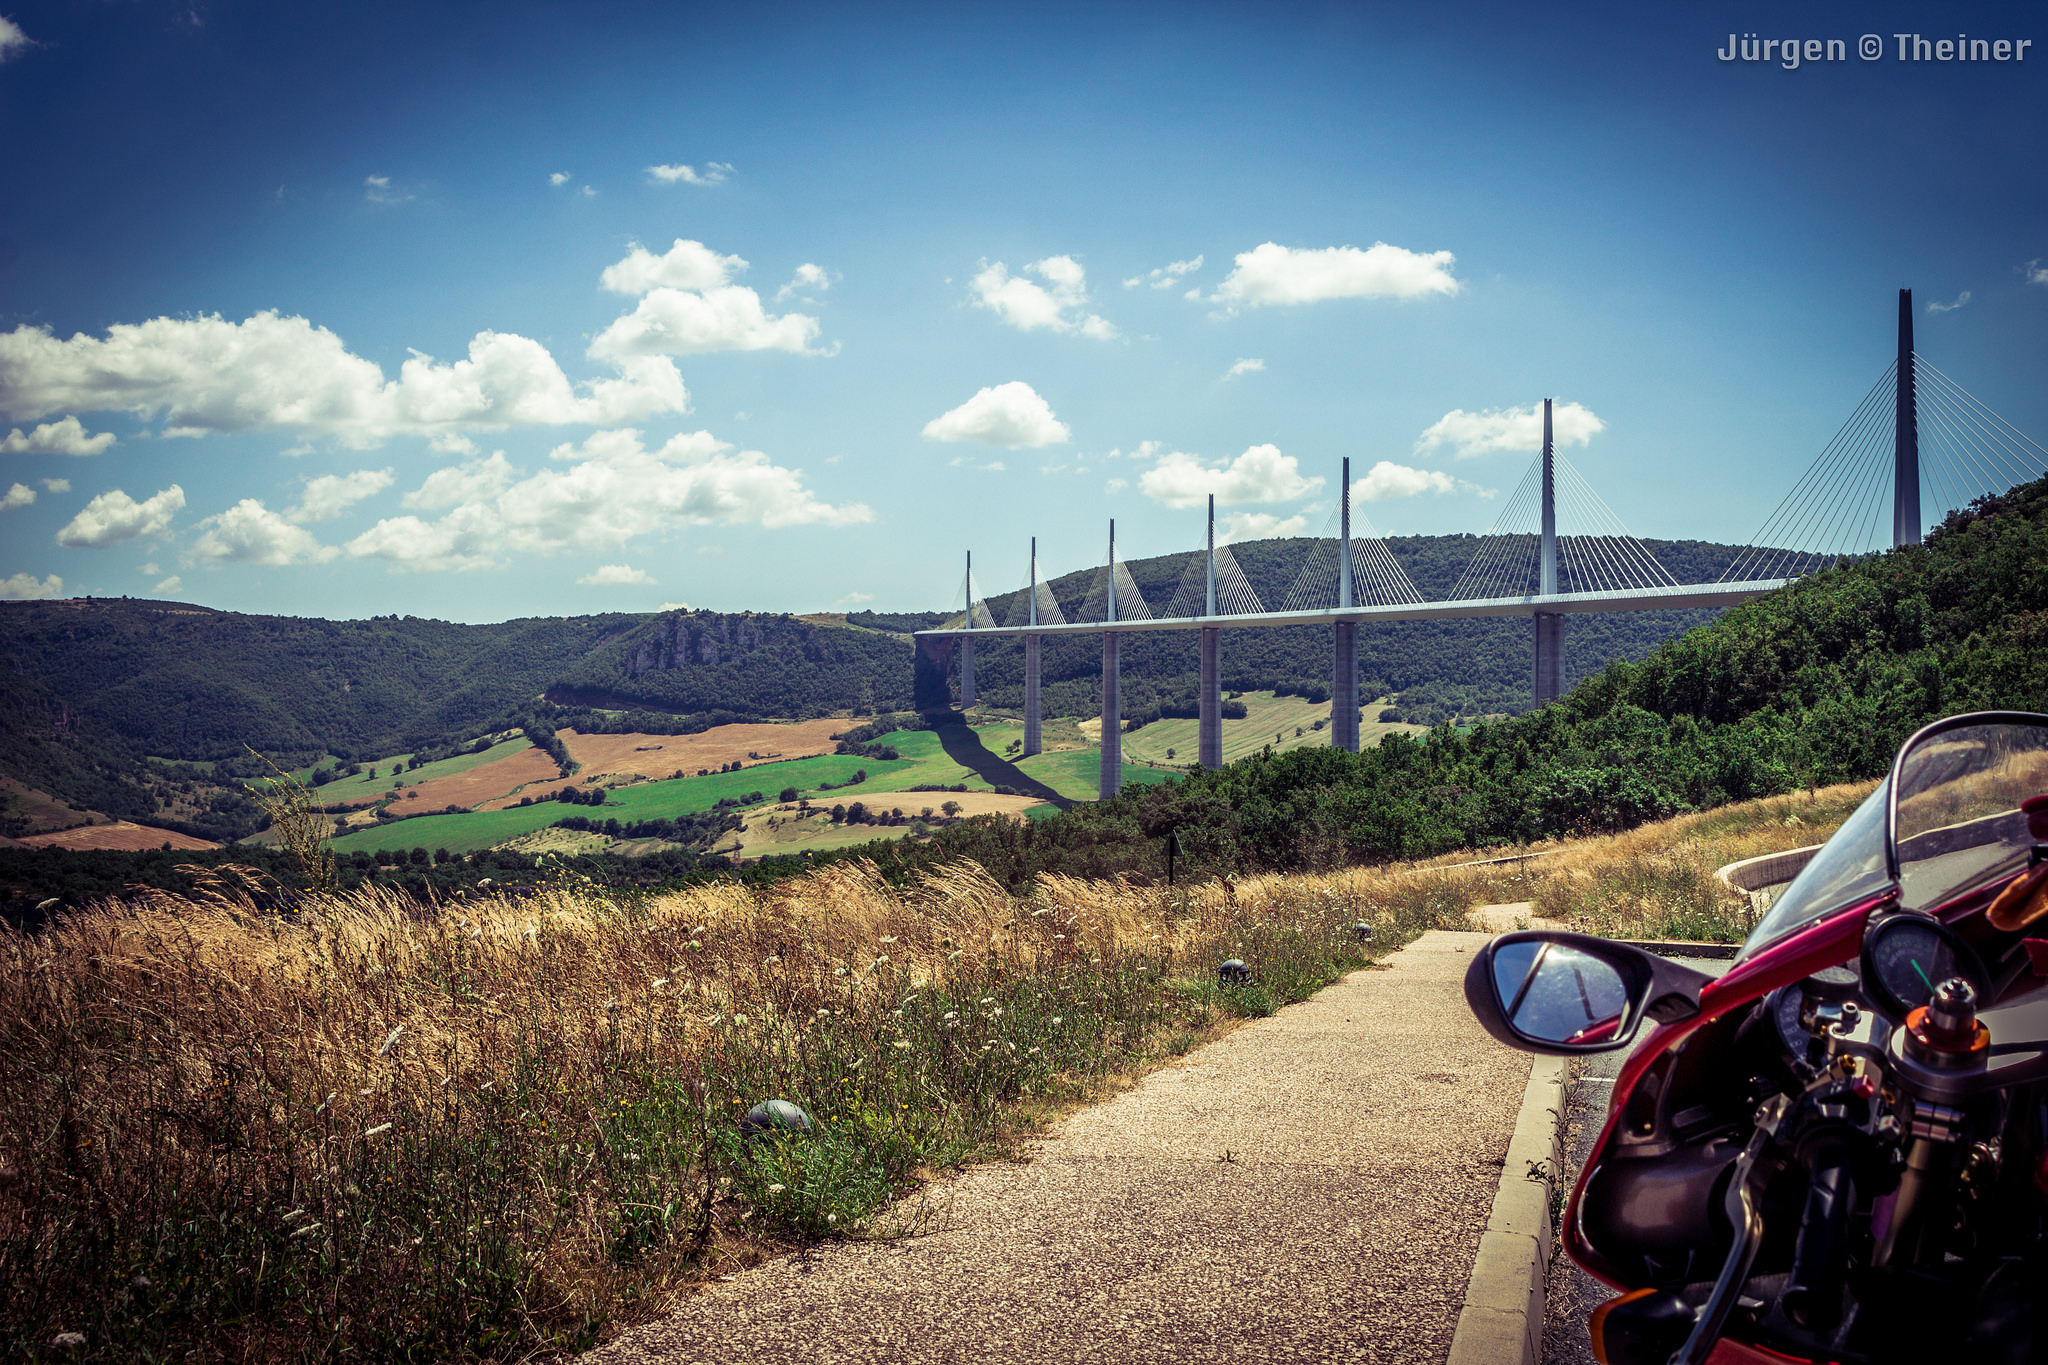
1209 703
1111 779
1549 631
1032 655
1906 436
967 643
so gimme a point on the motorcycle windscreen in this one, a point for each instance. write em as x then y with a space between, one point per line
1959 822
1848 867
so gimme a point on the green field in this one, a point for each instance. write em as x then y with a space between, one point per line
363 787
1267 716
957 755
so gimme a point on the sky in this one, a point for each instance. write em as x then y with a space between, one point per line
488 311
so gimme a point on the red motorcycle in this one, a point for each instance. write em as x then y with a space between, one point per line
1838 1151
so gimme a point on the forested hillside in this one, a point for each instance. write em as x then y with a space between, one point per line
187 682
1817 683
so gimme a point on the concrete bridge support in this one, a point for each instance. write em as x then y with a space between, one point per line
1344 689
966 673
1549 657
1032 742
1209 728
1112 779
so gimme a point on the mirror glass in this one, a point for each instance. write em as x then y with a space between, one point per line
1551 993
1959 822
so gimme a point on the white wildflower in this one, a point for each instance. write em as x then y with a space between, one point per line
392 1039
899 1043
776 1189
372 1132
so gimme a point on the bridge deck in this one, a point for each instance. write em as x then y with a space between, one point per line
1567 603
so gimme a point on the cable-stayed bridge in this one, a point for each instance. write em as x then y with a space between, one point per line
1555 550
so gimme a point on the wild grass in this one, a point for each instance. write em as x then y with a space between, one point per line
1657 881
494 1128
490 1129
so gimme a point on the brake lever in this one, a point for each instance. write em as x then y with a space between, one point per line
1746 1216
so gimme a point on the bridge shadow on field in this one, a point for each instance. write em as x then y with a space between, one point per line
964 747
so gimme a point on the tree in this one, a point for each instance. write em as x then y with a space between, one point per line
951 808
788 795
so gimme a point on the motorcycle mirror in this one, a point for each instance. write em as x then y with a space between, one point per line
1565 994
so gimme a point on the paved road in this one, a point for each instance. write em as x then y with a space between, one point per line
1310 1188
1574 1294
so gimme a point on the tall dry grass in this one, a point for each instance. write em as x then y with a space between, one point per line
486 1129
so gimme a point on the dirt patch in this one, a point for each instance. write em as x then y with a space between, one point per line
46 812
659 756
118 835
483 785
795 832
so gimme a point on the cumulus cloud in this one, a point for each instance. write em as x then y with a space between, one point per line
1271 275
688 305
1239 526
807 276
1244 367
1166 276
673 606
1509 429
12 41
67 437
250 533
1010 415
23 587
616 575
1387 480
171 584
329 495
114 517
1056 305
854 599
714 173
21 495
1961 299
270 371
559 179
55 485
608 490
2036 273
1261 474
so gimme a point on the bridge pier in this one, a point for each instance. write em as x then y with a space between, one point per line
1549 656
1032 743
1344 690
966 673
1112 778
1209 728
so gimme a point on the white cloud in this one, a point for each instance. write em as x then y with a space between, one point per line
2036 273
67 437
55 485
688 305
610 491
1240 526
378 190
1510 429
23 587
250 533
1114 485
150 568
1244 367
714 173
1261 474
1961 299
1273 275
587 192
1387 480
21 495
1011 415
114 517
451 443
686 265
329 495
807 276
673 606
854 599
1166 276
616 575
1029 306
208 375
171 584
559 179
12 41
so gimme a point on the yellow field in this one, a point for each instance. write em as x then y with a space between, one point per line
783 829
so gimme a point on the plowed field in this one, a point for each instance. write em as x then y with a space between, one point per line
118 835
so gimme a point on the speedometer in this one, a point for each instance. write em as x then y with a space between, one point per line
1905 956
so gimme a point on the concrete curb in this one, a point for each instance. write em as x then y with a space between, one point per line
1501 1322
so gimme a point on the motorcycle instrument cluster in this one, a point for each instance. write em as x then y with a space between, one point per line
1906 955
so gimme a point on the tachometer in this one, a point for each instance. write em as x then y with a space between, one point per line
1905 956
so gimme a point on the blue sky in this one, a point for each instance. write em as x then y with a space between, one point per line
489 311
